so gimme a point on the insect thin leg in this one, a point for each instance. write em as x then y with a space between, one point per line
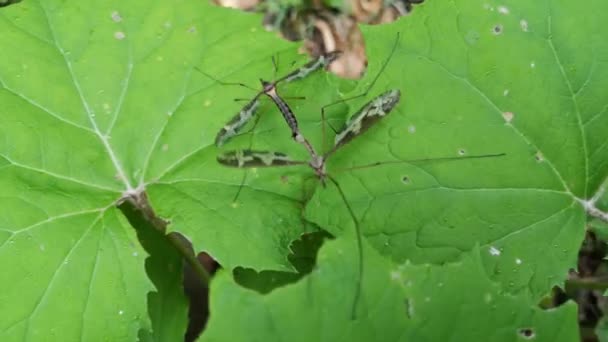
422 160
324 131
359 247
275 66
225 83
294 97
238 192
245 171
373 81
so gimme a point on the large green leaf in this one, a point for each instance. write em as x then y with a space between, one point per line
456 302
100 100
85 88
484 77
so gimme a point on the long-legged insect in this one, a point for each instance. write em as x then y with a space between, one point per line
240 120
359 123
234 126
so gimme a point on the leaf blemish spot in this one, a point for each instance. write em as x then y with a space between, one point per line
165 147
524 25
119 35
487 297
494 251
506 92
405 180
408 309
234 205
116 17
411 129
503 10
532 64
462 152
527 333
120 312
207 103
539 157
192 29
497 29
508 116
518 261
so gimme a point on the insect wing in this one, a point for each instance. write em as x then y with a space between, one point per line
367 116
236 124
320 62
251 158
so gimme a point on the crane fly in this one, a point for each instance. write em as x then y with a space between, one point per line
358 124
236 124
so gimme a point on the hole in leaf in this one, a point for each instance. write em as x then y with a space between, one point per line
527 333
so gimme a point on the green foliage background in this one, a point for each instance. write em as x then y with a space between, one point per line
100 99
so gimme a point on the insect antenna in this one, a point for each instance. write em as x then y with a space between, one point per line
358 237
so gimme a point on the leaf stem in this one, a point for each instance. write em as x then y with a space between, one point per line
139 213
185 249
592 210
587 283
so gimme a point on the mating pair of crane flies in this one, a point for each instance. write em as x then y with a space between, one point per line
359 123
366 117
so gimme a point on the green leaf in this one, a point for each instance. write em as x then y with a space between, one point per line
103 106
405 302
100 100
513 77
72 94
